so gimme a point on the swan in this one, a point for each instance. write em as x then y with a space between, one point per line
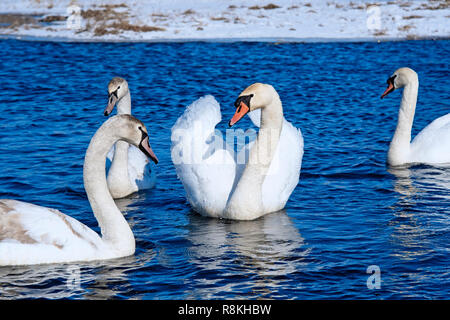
130 169
432 144
31 234
240 186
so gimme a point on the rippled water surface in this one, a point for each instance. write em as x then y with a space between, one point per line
348 212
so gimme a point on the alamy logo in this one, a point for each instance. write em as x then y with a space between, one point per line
374 280
373 21
74 17
73 281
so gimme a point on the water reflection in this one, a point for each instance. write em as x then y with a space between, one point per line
264 251
95 280
433 180
108 279
421 184
403 183
126 204
36 282
419 188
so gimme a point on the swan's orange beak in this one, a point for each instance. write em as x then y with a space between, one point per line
147 150
390 87
388 90
241 111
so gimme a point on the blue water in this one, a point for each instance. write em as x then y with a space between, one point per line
348 212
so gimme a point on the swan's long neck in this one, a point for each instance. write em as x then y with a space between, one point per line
124 104
118 178
246 200
114 228
399 148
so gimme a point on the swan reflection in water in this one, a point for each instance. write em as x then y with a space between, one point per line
434 180
263 252
88 280
419 188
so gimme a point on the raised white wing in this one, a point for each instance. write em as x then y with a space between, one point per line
203 161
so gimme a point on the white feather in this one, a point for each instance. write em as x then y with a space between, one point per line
431 144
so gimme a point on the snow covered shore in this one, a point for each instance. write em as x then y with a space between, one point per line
304 20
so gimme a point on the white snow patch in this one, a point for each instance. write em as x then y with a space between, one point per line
156 20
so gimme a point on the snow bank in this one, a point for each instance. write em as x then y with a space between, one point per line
133 20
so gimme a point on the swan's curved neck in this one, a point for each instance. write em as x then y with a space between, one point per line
399 148
118 178
114 228
248 191
124 104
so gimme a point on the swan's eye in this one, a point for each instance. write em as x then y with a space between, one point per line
245 99
391 79
118 87
144 134
142 130
113 93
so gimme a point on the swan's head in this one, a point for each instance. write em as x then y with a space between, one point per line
400 78
256 96
117 89
128 128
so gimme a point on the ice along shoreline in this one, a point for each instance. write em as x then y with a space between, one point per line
218 40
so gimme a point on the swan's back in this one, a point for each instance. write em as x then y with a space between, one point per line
431 144
31 234
140 171
202 162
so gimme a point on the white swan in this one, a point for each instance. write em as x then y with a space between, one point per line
130 169
31 234
222 184
432 144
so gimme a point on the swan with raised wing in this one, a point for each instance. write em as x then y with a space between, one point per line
246 185
432 144
130 170
31 234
